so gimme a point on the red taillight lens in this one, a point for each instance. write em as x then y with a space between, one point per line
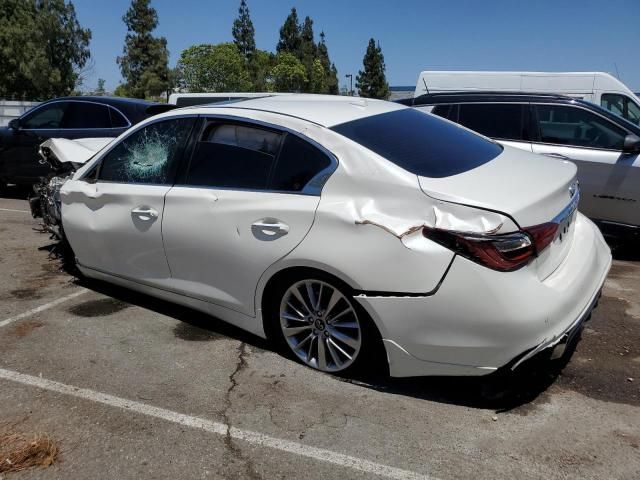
505 253
542 234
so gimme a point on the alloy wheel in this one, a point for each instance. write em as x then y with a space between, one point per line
320 325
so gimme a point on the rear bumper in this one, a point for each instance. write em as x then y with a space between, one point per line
480 320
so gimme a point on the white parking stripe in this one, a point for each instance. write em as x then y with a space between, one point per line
42 308
14 210
248 436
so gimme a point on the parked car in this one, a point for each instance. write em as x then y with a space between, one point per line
335 226
68 117
596 87
604 146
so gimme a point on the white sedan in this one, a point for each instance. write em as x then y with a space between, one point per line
346 230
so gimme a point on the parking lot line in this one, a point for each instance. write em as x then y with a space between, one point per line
217 428
42 308
14 210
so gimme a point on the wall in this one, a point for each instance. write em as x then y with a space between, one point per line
10 109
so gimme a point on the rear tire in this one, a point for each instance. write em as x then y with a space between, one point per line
314 319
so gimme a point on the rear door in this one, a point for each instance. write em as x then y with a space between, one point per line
113 217
609 178
248 199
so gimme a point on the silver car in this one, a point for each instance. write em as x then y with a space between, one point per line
605 147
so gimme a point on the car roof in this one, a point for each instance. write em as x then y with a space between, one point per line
324 110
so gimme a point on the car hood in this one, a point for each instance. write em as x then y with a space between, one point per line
532 189
73 151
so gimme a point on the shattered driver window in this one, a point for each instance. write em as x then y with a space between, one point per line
150 155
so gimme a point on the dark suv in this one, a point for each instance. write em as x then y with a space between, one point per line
604 146
69 117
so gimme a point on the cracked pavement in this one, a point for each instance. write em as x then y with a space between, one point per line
582 422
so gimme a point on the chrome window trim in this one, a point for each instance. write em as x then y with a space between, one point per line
38 107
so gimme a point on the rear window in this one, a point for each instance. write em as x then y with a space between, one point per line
420 143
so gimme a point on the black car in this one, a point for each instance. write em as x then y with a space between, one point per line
604 146
66 117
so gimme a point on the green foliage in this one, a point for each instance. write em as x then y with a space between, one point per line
331 72
121 91
290 39
289 74
42 48
260 65
317 78
372 82
243 32
100 88
144 60
214 68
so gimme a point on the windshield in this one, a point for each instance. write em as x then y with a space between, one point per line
420 143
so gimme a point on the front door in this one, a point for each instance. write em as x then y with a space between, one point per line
113 217
608 177
247 202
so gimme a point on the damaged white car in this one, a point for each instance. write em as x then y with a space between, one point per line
64 156
343 229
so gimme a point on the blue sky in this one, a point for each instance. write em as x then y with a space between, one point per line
560 35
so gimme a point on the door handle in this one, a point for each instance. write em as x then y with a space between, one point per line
271 226
557 155
145 213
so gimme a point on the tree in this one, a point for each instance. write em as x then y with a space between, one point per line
214 68
260 66
42 48
372 82
243 32
100 88
144 60
290 39
331 72
121 91
289 74
317 77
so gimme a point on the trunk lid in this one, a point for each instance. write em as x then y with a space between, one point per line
531 189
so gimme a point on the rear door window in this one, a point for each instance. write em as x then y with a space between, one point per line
149 155
118 120
233 156
500 121
573 126
81 115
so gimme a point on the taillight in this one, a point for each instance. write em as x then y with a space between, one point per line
505 252
542 234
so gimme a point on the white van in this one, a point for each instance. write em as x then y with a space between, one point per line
191 99
595 87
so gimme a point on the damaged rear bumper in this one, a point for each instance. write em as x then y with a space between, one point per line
480 321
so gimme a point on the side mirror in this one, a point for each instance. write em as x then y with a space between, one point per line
631 144
14 124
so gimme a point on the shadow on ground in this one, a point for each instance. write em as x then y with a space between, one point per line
15 192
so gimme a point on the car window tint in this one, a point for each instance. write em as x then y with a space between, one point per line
563 125
233 156
47 116
297 164
502 121
82 115
613 102
149 155
117 119
446 111
420 143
